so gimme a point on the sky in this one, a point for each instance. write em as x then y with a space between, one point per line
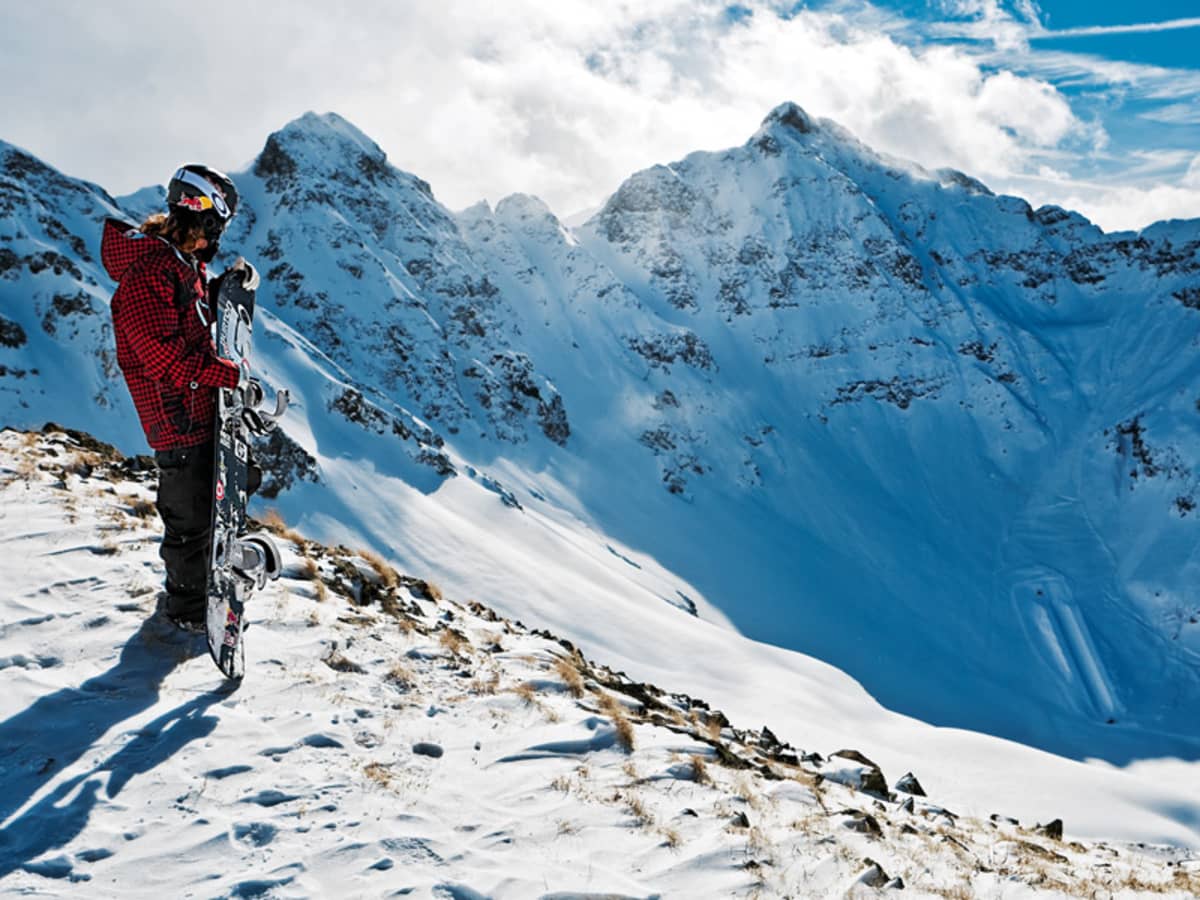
1093 106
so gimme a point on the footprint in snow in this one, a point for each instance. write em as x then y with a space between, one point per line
255 834
270 798
219 774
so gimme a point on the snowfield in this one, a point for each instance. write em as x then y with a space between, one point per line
389 741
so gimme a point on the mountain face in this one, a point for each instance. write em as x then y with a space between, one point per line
880 415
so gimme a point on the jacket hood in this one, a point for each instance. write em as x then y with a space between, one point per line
122 245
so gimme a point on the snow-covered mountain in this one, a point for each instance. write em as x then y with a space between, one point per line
934 437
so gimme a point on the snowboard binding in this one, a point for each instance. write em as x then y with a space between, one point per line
255 417
256 559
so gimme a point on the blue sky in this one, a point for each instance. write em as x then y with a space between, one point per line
1130 72
1055 100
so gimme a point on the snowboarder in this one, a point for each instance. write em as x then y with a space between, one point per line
162 312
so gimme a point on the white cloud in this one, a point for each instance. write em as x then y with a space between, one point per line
1117 208
1192 178
991 21
563 100
1114 206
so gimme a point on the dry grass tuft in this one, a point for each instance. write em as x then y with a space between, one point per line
612 708
744 788
321 592
567 827
712 728
140 508
757 840
671 838
454 641
309 570
26 469
488 685
630 770
274 523
636 807
526 691
960 891
400 675
568 671
340 663
387 575
700 773
432 591
380 773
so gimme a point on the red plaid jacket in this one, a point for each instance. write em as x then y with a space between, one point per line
164 348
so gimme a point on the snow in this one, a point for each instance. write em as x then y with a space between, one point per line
918 457
402 743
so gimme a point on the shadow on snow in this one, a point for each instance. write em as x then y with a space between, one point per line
57 730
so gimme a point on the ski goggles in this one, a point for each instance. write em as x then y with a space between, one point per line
210 197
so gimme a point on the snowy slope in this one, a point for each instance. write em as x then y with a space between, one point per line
389 741
875 414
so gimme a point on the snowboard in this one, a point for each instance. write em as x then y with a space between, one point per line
230 579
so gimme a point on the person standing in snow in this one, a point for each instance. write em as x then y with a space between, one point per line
162 313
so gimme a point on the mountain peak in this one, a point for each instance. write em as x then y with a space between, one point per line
329 128
791 115
318 142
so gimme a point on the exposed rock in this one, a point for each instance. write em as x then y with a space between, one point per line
284 462
899 391
11 333
873 876
908 784
866 776
661 350
863 823
1189 297
966 182
789 115
1052 829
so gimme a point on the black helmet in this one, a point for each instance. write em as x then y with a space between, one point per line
204 191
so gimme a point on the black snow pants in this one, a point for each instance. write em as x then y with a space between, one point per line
185 503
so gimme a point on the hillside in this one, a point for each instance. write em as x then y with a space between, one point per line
391 741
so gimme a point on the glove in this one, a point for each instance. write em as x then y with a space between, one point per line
249 274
